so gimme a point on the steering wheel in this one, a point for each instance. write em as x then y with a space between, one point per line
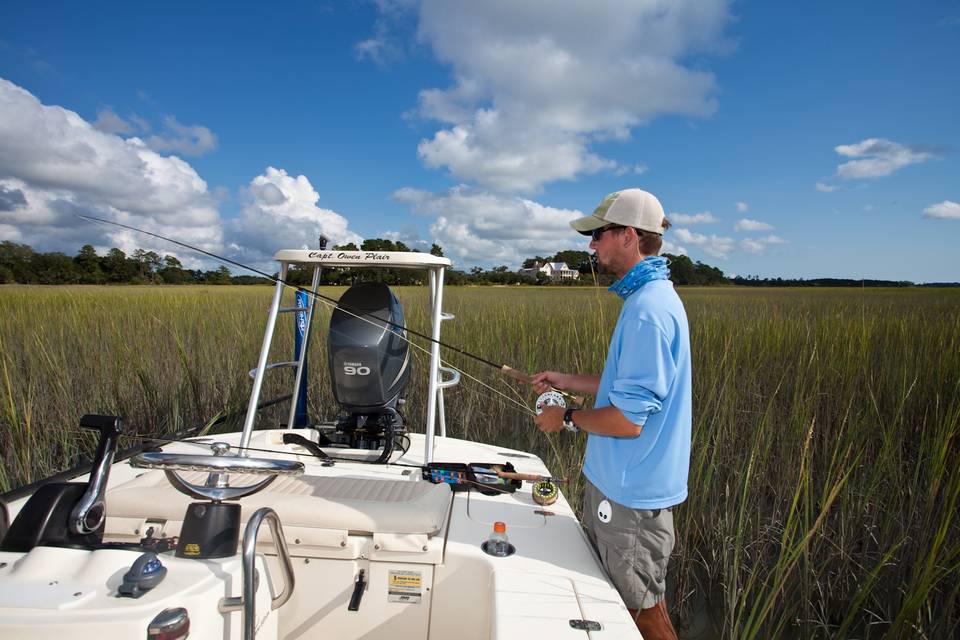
218 466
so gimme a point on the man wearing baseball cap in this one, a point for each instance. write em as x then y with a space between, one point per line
638 443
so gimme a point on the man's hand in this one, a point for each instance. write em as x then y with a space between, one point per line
576 382
550 419
546 380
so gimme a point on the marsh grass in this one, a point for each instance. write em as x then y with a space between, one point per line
824 489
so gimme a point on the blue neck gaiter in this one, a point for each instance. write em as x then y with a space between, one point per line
650 268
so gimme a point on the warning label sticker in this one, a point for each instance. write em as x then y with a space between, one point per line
404 586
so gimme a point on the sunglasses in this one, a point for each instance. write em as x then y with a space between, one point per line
596 234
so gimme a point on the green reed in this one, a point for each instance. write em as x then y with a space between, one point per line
823 486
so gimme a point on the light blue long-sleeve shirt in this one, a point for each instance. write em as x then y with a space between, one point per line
647 377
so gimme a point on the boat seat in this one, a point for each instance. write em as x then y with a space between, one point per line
361 506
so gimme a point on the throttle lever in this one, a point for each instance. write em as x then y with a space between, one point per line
90 512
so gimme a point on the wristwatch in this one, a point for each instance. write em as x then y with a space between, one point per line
568 422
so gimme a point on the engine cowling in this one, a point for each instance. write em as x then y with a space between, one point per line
368 354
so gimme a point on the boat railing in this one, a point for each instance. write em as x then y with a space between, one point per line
248 602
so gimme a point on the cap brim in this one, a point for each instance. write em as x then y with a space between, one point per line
587 224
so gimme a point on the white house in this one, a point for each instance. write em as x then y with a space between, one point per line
554 270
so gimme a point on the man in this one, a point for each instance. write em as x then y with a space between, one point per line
638 444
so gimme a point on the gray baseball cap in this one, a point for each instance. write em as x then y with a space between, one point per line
629 208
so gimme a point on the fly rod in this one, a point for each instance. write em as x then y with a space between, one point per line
503 368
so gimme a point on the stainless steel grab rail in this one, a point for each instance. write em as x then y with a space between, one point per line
248 601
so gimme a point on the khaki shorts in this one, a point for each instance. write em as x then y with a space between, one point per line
634 546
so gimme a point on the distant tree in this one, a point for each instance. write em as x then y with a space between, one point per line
117 267
147 265
381 244
172 271
436 250
55 268
220 276
88 265
575 259
681 269
455 277
300 275
17 262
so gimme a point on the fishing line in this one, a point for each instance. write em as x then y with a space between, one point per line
292 286
335 304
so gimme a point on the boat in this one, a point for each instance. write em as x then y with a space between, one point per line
372 530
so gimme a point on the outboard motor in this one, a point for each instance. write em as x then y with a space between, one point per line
369 365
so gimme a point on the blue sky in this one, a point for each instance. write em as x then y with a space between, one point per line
808 140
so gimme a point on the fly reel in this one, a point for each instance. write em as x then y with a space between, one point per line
545 492
554 398
550 399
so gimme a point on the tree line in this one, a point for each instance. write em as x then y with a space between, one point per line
19 263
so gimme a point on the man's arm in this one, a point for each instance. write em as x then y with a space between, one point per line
576 382
606 421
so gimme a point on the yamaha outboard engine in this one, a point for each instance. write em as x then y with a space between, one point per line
369 365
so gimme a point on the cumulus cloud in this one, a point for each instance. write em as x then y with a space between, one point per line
746 224
192 140
946 210
109 122
11 198
823 187
537 82
383 46
704 217
760 245
878 157
281 212
713 245
479 227
54 164
742 207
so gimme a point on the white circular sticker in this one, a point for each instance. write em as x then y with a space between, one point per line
604 511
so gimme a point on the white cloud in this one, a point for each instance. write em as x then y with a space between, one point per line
746 224
536 82
54 164
193 140
672 248
704 217
742 207
478 227
713 245
878 157
109 122
281 212
946 210
383 47
625 169
760 245
825 188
